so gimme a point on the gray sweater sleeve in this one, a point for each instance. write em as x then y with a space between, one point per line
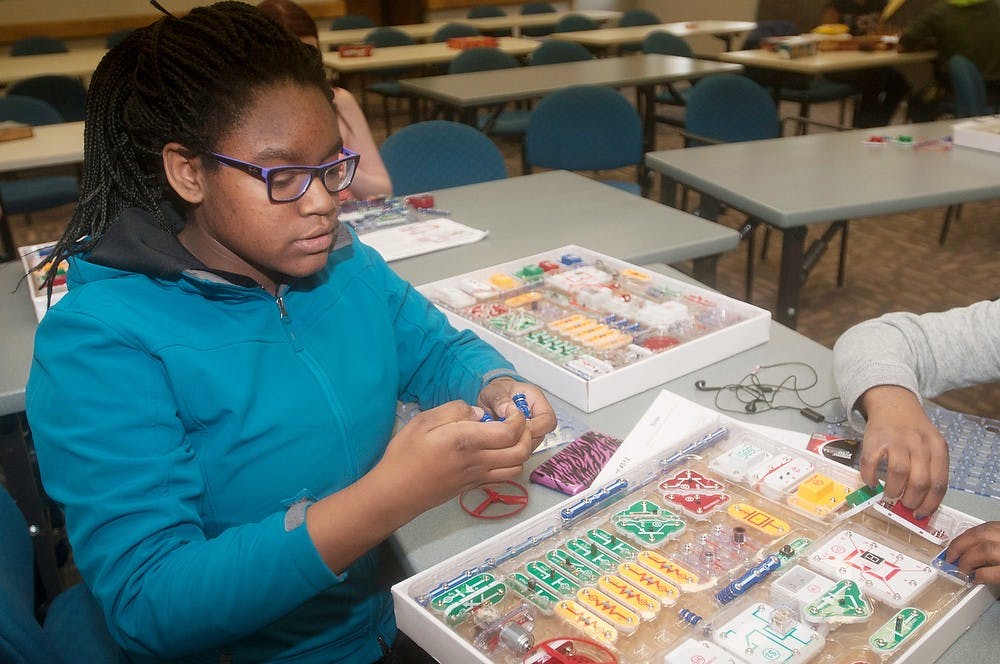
927 354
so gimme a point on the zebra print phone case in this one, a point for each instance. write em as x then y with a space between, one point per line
573 468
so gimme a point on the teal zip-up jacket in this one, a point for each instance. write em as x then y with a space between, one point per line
178 414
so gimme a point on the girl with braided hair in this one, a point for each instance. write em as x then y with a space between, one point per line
212 403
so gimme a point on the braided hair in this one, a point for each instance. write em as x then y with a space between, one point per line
186 80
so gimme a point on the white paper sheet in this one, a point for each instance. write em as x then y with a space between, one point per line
421 237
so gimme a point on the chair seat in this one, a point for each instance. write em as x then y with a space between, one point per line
27 196
667 97
630 187
387 88
820 90
512 122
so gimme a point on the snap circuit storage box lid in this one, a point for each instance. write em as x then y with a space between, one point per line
592 329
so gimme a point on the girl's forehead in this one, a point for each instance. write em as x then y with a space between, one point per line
285 118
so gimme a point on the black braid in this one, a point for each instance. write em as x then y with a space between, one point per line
185 80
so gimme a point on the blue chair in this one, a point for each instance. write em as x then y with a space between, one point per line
969 93
634 17
351 22
498 121
576 23
38 45
798 89
388 87
489 11
73 629
554 51
587 128
728 108
28 195
537 8
450 30
66 94
438 154
667 43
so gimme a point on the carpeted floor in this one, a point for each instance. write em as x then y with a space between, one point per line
894 262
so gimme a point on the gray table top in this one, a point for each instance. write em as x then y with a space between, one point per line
446 530
503 85
529 214
830 176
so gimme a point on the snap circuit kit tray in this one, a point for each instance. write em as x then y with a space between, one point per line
734 549
592 329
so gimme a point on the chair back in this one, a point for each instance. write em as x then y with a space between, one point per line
576 23
769 28
117 37
28 110
968 87
731 108
556 50
450 30
388 36
22 640
584 128
66 94
638 17
666 43
485 11
38 45
537 8
438 154
351 22
481 58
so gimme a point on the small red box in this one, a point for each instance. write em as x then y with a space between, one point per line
472 42
354 50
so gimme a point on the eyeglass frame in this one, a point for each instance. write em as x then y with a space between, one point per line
263 173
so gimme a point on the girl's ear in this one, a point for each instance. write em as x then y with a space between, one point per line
185 172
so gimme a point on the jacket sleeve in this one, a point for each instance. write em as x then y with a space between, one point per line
927 354
437 363
111 451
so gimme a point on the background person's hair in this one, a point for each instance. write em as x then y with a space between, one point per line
292 16
186 80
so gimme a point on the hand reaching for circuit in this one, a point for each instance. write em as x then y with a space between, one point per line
976 552
448 450
915 453
498 399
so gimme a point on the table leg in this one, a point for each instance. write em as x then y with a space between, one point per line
791 276
24 487
705 269
668 190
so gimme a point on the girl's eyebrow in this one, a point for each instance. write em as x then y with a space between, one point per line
285 155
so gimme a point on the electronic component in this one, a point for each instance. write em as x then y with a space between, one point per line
752 637
897 630
878 569
511 631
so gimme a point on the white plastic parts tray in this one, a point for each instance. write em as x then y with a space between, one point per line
592 329
796 573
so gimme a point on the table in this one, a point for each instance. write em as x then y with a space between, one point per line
413 55
602 40
80 62
826 177
826 62
446 530
50 145
467 92
533 213
423 31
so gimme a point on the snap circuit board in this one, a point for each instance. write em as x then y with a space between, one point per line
736 549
